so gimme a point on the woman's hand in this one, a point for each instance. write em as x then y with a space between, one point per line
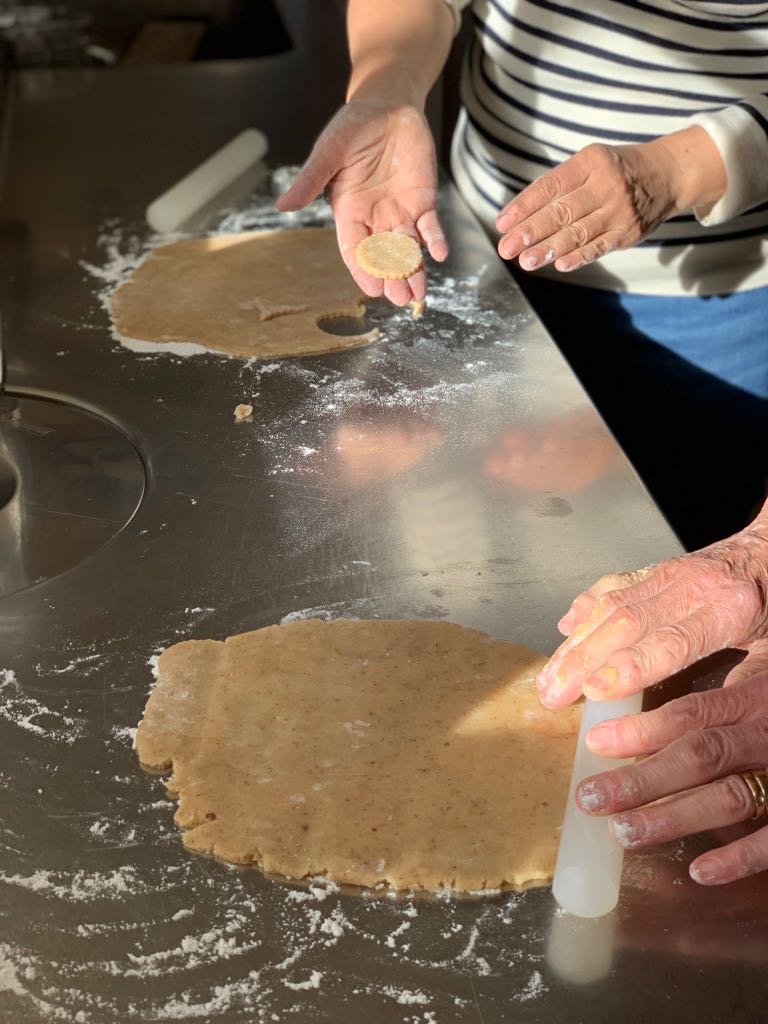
609 197
377 161
631 630
697 745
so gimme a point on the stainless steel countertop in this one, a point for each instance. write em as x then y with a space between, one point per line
381 481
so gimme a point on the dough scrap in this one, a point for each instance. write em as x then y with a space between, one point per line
243 412
259 293
389 255
415 754
417 308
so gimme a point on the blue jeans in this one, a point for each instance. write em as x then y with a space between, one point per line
683 384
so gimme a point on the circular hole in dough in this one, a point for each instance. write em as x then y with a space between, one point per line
389 255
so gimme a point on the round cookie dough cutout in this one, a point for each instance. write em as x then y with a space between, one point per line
388 255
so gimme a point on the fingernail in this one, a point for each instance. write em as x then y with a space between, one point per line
599 736
504 222
530 262
564 625
549 256
553 690
627 829
591 797
704 874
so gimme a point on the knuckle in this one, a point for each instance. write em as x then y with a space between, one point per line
637 663
735 798
614 581
598 153
711 750
578 234
761 727
628 618
561 212
688 713
601 246
610 602
633 788
669 570
679 641
549 186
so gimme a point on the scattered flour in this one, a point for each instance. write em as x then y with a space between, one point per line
125 733
363 608
9 981
405 997
82 886
312 982
469 955
84 665
534 987
26 712
236 968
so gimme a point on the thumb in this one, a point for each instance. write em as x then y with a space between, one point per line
755 664
311 179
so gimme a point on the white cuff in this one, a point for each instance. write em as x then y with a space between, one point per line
743 146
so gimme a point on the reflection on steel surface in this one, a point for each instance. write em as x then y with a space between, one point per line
69 481
102 915
443 524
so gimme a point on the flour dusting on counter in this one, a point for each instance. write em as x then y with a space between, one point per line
82 887
267 938
24 711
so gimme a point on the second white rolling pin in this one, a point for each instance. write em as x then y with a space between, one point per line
170 210
589 860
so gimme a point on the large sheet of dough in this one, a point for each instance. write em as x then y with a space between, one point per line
411 753
260 293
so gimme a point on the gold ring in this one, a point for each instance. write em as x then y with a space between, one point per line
756 782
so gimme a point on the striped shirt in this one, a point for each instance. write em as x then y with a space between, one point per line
544 78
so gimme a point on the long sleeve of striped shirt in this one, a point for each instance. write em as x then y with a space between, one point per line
740 132
544 78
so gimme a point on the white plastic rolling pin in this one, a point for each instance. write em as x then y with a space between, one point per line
170 210
589 860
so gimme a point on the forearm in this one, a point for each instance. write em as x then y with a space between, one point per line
397 48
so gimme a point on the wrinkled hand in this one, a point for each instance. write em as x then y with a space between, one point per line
631 630
696 744
378 164
609 197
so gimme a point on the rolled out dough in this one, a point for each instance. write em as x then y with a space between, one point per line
261 293
411 753
389 255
